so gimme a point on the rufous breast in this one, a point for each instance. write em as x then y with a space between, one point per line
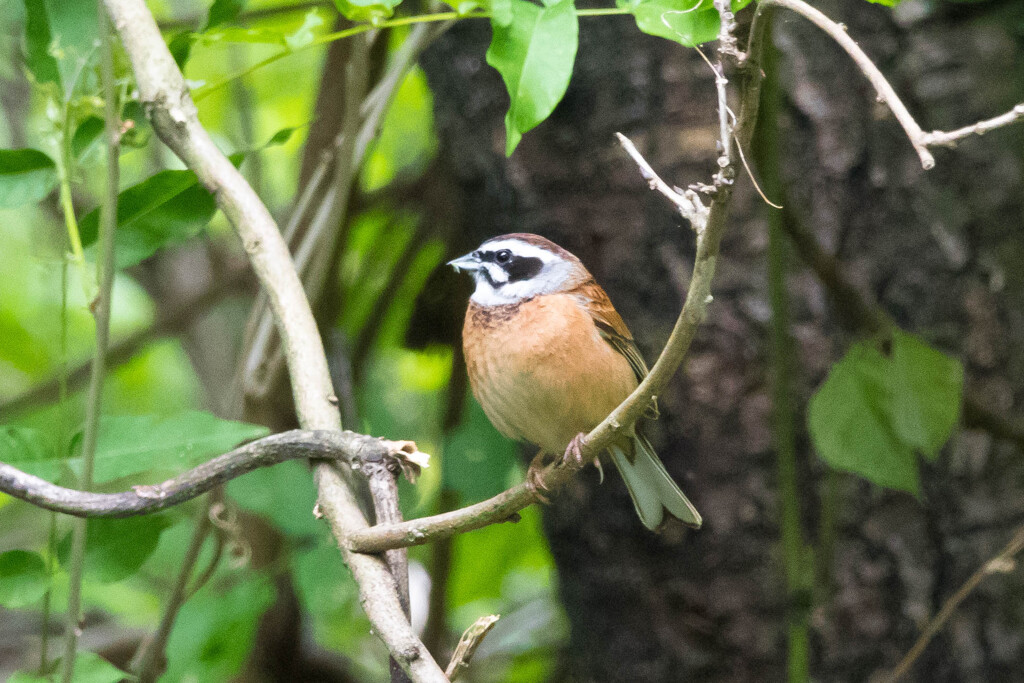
541 370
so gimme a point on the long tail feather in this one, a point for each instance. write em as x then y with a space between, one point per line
652 489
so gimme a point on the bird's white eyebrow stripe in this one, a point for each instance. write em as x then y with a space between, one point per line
520 248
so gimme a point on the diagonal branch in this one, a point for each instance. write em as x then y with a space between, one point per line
170 108
141 500
918 138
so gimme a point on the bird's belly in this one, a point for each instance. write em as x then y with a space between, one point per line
546 374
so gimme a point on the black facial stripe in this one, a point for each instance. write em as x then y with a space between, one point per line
523 268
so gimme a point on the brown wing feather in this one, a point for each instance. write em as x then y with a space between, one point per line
613 329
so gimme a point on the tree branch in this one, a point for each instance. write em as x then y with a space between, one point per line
169 106
142 500
920 140
468 644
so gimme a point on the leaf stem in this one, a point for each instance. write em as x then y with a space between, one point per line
433 17
100 308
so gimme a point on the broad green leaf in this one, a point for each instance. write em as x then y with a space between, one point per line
284 494
40 62
850 423
23 578
534 54
181 47
116 548
30 450
26 176
684 21
128 445
887 3
223 12
166 208
927 386
478 462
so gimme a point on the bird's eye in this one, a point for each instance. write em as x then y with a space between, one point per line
503 256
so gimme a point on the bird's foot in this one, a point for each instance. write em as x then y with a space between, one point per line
573 456
600 470
535 477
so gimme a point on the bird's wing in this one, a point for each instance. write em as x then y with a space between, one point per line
614 331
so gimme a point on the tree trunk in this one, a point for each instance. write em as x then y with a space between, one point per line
941 250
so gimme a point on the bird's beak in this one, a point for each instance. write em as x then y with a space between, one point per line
469 263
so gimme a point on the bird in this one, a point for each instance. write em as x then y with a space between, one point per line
549 358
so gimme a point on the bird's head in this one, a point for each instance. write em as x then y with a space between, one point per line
512 268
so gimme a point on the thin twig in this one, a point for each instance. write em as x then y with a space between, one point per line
505 505
170 108
468 644
938 138
150 660
1002 563
141 500
101 312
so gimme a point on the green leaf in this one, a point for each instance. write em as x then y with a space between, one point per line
88 133
116 548
223 12
30 450
849 422
181 47
27 677
91 668
683 21
40 62
23 578
166 208
534 54
927 386
304 35
26 176
501 11
875 412
131 444
73 26
366 10
887 3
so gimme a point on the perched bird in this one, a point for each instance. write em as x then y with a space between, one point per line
549 358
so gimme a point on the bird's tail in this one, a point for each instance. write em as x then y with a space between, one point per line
651 487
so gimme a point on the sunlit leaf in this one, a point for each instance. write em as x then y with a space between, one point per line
23 578
91 668
688 22
26 176
534 54
223 12
73 25
304 35
116 548
366 10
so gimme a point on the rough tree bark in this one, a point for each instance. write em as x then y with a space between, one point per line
941 250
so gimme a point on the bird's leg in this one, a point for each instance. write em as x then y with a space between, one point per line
573 456
535 477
